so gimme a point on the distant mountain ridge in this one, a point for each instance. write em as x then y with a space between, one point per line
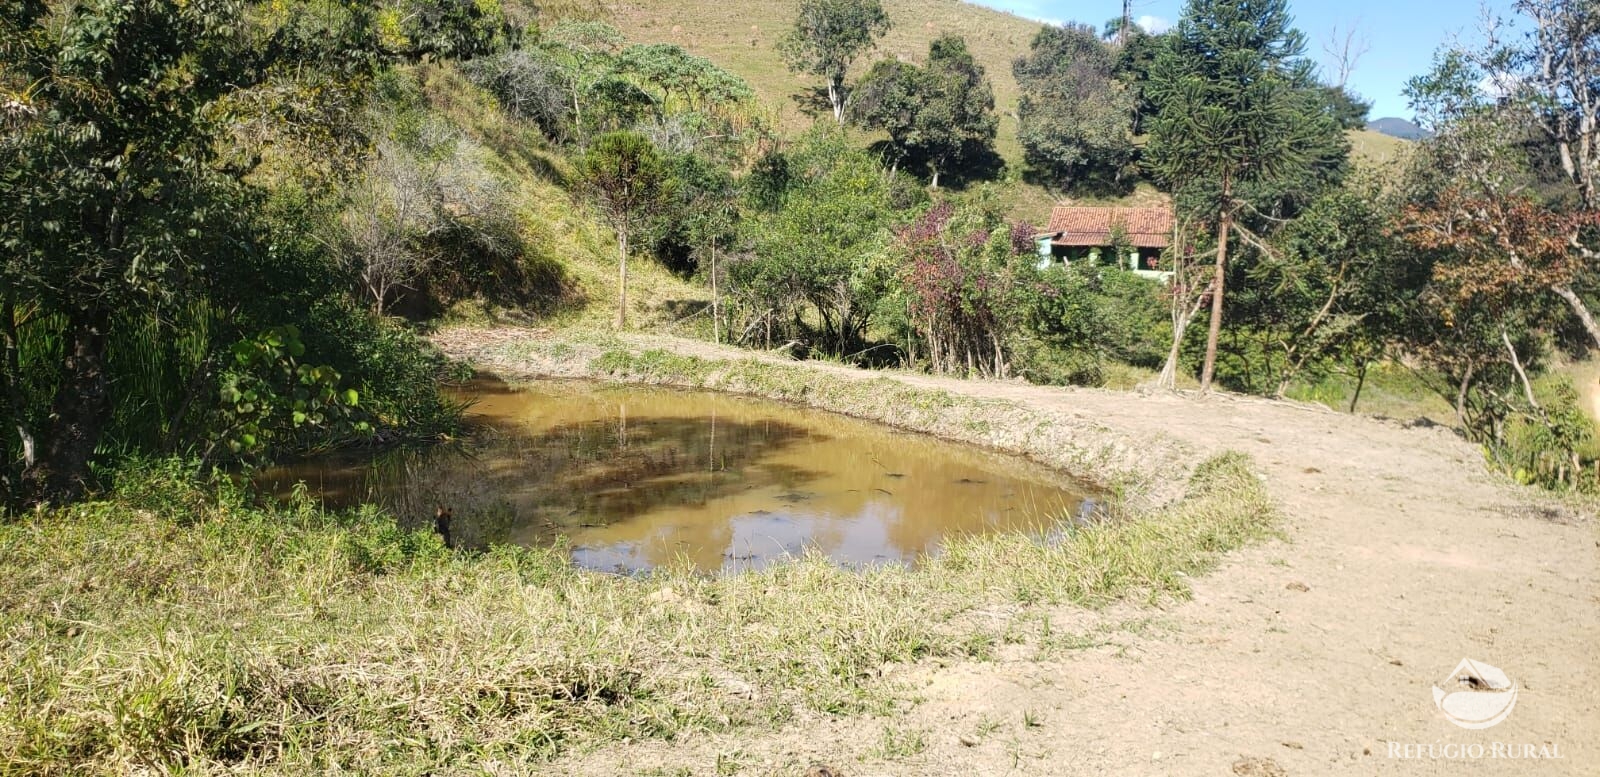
1396 127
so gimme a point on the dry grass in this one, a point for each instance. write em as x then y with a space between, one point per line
1377 150
165 630
1391 391
745 41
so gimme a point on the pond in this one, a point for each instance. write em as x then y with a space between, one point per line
635 478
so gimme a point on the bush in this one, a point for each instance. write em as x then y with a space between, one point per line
528 85
1082 317
1549 450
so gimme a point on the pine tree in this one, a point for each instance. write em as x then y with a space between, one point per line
1232 88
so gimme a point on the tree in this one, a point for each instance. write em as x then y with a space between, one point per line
1136 55
958 278
587 52
1335 283
457 29
630 182
889 99
827 36
958 115
938 116
529 84
113 202
1346 108
1075 118
427 194
1546 79
677 73
821 257
700 224
1236 107
1346 52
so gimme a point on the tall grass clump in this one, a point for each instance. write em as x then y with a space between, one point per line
1114 557
170 627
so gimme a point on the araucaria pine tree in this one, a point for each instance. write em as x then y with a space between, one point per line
1232 90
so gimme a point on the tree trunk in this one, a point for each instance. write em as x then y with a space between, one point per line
716 306
1169 371
60 474
1224 225
1580 309
836 98
1183 310
1461 399
622 279
1361 381
15 403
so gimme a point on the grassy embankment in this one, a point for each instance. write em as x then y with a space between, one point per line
166 628
566 246
163 628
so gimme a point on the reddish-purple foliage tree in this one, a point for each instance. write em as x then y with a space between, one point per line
958 277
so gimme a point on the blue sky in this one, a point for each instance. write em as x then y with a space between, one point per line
1402 34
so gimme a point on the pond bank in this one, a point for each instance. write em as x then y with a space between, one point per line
168 629
636 477
1402 555
1146 470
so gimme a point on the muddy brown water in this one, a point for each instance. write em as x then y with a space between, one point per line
634 478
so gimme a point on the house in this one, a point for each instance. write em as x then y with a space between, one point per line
1086 233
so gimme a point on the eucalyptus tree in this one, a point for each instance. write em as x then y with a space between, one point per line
1237 107
828 35
1529 95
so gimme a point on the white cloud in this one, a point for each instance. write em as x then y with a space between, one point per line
1154 25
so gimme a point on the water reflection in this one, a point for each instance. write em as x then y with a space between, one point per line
637 478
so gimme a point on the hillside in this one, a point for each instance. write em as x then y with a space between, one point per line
567 246
1372 148
1398 128
743 37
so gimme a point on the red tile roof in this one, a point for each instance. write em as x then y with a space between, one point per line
1078 226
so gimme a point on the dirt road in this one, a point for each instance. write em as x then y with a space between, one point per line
1312 655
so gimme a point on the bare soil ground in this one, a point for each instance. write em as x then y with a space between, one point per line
1312 655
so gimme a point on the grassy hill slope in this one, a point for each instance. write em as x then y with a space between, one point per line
743 37
1375 148
567 245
